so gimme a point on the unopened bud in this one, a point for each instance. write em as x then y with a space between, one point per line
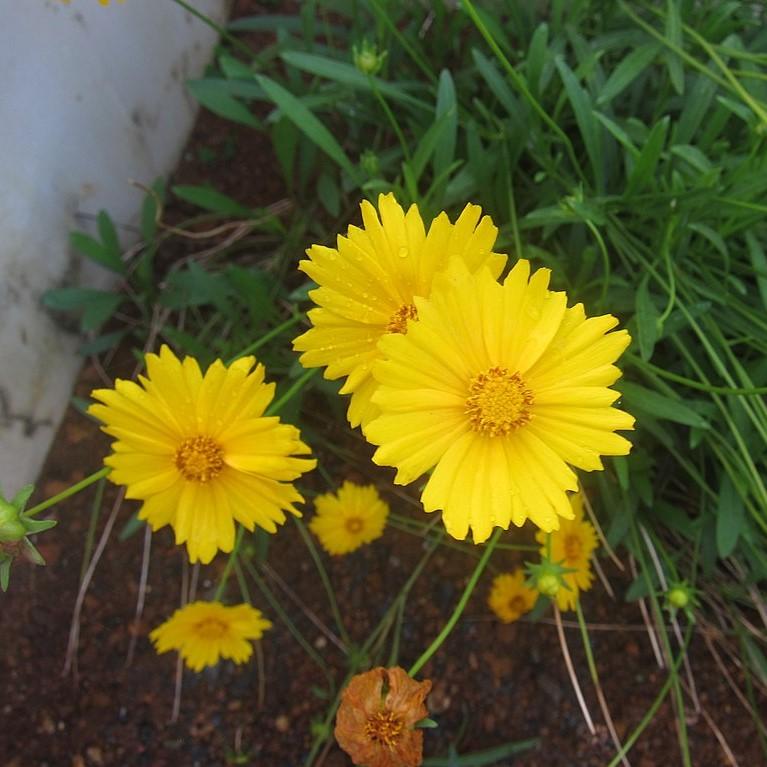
548 584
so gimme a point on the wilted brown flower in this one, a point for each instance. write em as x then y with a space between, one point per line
375 720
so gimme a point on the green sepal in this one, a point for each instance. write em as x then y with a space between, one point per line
5 571
38 525
426 724
21 498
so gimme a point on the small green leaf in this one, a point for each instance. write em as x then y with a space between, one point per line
627 71
643 174
674 35
647 320
292 108
447 107
730 517
759 262
211 199
658 406
218 101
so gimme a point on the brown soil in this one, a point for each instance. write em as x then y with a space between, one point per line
492 683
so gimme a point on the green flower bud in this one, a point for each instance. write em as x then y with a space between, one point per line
679 597
12 529
367 59
549 584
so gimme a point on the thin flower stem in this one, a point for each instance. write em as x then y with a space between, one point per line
277 405
571 671
650 715
315 555
229 565
382 626
70 491
595 679
220 31
256 345
390 116
292 628
459 608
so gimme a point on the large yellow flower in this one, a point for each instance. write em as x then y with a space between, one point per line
199 452
498 388
572 546
510 598
203 632
345 521
368 284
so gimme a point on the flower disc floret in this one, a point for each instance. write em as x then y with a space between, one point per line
199 452
500 390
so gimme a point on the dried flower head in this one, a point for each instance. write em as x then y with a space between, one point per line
376 718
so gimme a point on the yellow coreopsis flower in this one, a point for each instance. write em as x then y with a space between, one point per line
368 284
199 452
498 388
572 546
509 597
203 632
345 521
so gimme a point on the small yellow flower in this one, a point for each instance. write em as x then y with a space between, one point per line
354 516
509 597
368 284
199 451
203 632
572 546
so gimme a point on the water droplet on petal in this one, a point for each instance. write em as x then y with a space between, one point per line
403 252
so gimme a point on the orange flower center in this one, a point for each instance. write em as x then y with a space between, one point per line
517 605
573 547
498 402
384 727
199 459
398 320
353 525
210 628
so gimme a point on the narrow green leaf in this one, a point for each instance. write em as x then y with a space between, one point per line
347 74
647 320
537 56
96 252
329 194
656 405
220 102
447 107
307 123
693 156
208 198
643 174
759 262
484 758
730 517
627 71
618 133
497 83
674 35
428 144
590 131
109 238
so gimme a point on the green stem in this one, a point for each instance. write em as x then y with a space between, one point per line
289 323
296 387
650 715
315 555
459 608
229 565
292 628
72 490
218 29
390 116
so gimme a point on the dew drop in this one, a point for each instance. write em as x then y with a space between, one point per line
403 252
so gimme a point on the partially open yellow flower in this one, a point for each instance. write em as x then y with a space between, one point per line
203 632
509 597
375 720
368 284
572 546
199 452
345 521
498 388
